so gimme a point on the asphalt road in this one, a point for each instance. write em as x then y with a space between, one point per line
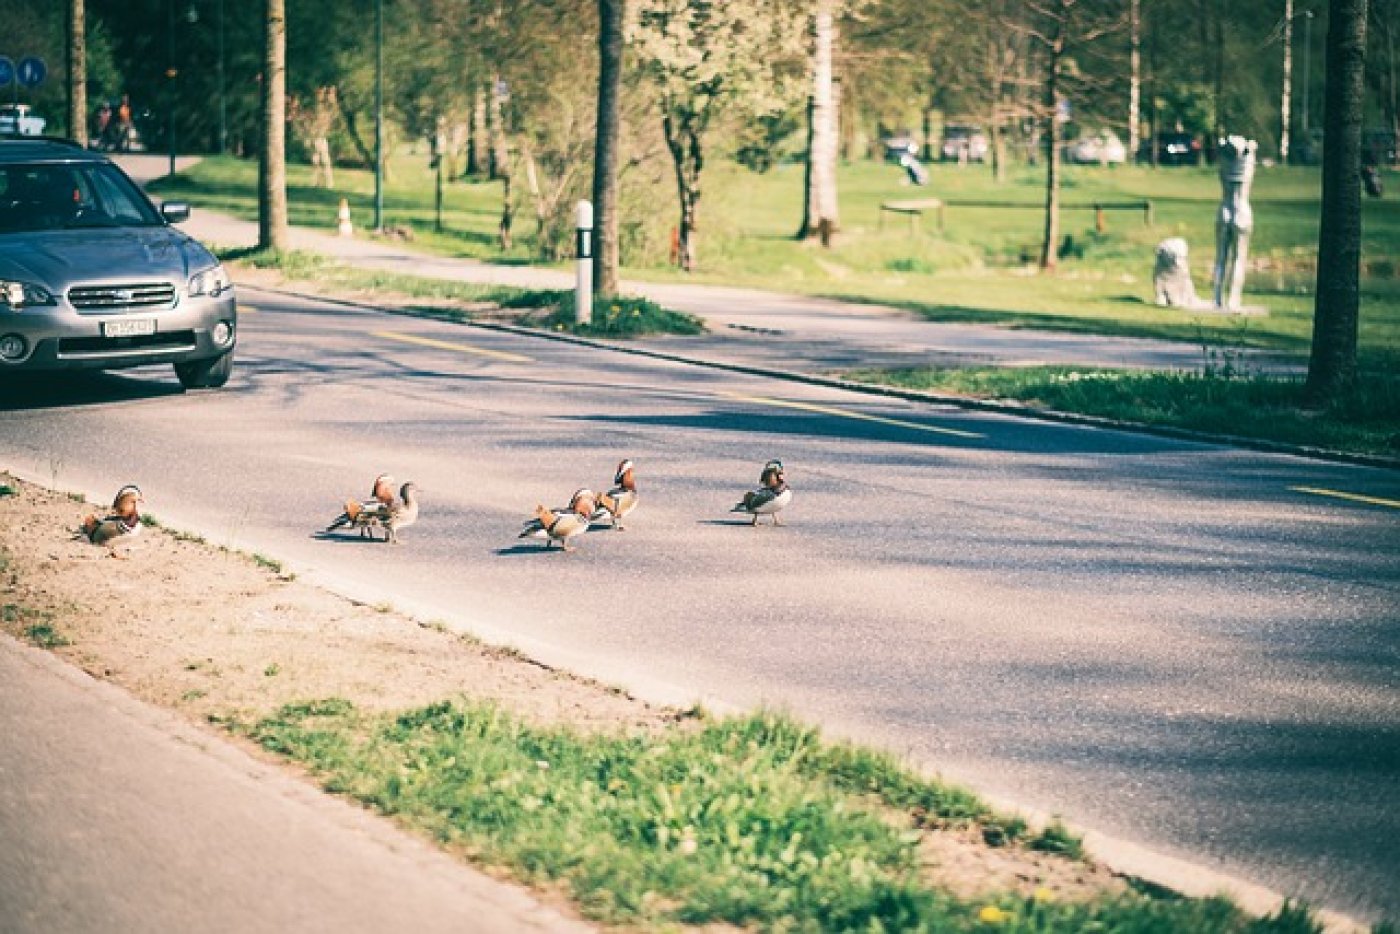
1188 646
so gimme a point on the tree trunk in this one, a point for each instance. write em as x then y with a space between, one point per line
998 151
820 211
272 190
507 208
1135 76
77 73
683 141
1048 254
1332 366
606 148
496 131
353 129
477 136
1286 102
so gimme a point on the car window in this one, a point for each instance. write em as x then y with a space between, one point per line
63 196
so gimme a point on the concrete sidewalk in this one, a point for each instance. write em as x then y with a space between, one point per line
750 327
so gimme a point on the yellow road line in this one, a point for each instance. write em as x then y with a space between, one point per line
1355 497
858 416
445 345
246 309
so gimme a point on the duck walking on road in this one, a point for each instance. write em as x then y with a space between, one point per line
621 499
560 525
772 496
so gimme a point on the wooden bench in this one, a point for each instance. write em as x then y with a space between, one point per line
914 209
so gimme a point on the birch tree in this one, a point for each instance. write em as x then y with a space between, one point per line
706 61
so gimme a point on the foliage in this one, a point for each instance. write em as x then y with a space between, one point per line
742 822
623 316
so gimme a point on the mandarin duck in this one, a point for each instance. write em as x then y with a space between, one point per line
122 525
367 515
560 525
401 514
621 499
771 498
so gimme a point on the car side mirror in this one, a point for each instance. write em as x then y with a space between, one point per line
175 212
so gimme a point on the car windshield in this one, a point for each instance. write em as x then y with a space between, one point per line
63 196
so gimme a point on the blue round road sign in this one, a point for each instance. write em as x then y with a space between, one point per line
7 71
31 72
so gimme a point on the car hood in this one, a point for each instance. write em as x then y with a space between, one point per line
59 259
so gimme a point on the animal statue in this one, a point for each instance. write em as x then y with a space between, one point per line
1235 220
1171 277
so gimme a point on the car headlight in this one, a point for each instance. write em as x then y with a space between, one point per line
15 295
212 282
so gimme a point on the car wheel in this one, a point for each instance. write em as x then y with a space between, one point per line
205 374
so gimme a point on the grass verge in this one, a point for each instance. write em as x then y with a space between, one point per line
1365 421
754 822
619 317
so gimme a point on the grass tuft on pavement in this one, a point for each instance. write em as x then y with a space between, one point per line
622 316
754 822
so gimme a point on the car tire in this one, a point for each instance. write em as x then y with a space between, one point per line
210 373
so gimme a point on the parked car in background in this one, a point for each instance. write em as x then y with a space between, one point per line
963 143
92 275
1380 147
1100 148
20 120
1173 148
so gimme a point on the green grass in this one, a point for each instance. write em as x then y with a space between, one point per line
753 822
45 636
970 272
623 317
1366 421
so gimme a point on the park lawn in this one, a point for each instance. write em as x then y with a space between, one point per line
972 271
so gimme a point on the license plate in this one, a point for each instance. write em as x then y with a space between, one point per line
129 327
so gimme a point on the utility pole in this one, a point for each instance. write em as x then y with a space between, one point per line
1285 114
379 116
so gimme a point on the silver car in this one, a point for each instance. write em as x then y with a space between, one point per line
92 275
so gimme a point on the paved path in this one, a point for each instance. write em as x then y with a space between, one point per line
748 326
117 817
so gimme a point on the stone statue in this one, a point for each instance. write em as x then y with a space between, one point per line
1235 220
1171 278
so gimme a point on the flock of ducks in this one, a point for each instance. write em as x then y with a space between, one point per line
387 512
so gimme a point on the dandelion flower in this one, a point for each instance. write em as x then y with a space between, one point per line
991 914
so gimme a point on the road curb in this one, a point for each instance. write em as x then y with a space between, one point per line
998 407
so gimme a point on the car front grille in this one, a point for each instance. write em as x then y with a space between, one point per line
97 299
77 348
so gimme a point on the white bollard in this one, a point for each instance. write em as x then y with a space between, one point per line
343 225
583 293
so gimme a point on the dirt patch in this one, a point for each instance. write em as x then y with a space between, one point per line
218 635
